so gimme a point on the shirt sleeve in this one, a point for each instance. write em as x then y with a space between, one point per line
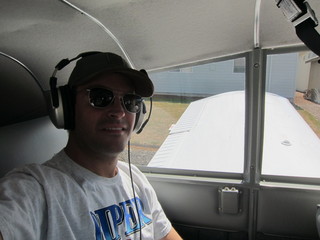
162 225
21 207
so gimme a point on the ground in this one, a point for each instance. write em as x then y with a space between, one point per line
311 107
309 110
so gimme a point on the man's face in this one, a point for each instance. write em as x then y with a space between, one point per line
103 130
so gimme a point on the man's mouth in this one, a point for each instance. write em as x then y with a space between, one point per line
114 129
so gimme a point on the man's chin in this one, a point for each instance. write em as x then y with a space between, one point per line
114 150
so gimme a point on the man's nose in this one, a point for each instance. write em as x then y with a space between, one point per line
116 109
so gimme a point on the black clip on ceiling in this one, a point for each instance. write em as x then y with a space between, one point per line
304 20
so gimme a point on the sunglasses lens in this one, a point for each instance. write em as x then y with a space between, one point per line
100 97
132 103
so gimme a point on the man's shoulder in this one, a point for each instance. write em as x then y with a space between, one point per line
126 167
137 175
35 171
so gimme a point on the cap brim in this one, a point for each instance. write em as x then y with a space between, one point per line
142 83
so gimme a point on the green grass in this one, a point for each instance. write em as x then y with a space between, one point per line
164 114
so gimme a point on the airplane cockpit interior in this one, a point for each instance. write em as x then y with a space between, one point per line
230 138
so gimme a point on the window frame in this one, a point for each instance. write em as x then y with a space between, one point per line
255 89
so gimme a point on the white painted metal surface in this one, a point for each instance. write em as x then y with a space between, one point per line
210 136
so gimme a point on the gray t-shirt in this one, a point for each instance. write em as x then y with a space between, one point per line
62 200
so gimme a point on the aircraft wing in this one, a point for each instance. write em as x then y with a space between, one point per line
210 136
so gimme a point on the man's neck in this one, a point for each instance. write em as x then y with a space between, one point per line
101 164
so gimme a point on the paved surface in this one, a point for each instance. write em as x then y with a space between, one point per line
138 155
309 106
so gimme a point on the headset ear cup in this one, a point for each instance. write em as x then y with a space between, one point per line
139 118
62 115
67 98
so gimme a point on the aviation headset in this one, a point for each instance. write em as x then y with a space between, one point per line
62 100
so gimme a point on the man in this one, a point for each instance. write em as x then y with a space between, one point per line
83 192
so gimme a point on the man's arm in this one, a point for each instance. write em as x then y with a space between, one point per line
1 236
172 235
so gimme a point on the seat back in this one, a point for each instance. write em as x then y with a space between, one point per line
33 141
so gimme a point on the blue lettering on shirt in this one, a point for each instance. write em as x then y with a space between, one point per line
107 220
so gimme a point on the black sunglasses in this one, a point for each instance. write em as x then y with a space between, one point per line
101 98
